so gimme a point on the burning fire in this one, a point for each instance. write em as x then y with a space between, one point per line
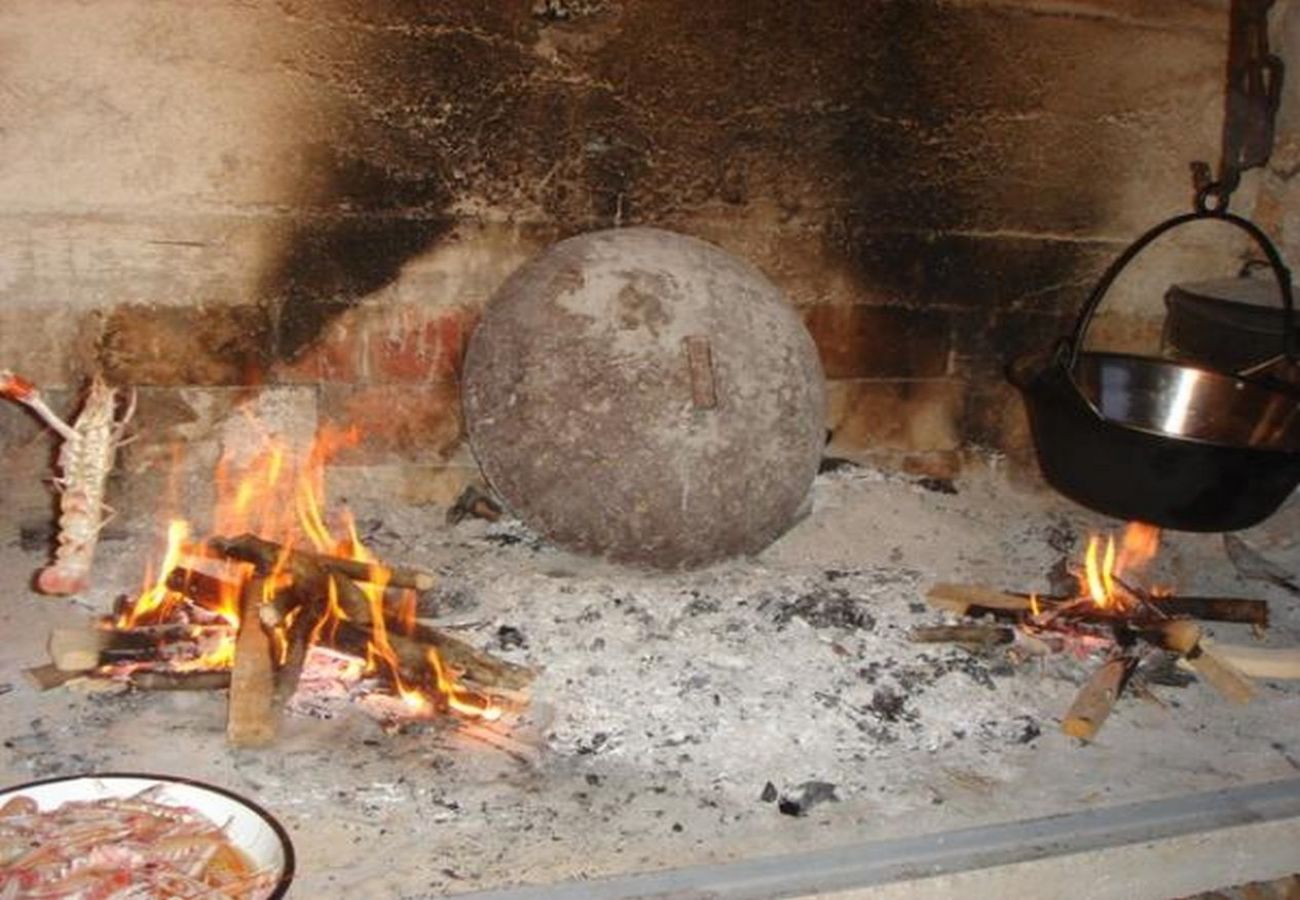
1102 579
281 500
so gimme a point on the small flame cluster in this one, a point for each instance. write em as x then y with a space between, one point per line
1101 577
277 498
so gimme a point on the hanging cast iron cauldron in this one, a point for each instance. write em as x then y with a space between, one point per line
1147 439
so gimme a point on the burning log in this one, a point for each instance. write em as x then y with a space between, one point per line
203 590
83 649
412 651
974 601
473 502
297 637
1093 703
265 555
289 601
314 578
251 719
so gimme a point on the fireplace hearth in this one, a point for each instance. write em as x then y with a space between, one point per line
270 223
730 713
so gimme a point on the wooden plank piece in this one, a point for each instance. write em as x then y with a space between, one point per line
978 635
251 719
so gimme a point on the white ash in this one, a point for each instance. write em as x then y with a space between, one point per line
667 703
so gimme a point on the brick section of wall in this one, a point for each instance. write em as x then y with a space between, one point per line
413 423
414 344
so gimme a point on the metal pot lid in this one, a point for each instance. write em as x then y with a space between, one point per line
1189 403
1261 292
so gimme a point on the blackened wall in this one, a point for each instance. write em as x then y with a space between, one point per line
317 196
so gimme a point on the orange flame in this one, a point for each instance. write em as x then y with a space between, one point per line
281 499
155 598
1137 547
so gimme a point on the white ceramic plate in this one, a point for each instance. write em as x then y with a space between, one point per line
251 828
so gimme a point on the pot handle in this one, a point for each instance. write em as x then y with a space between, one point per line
1205 211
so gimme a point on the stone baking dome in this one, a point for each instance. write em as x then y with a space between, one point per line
647 397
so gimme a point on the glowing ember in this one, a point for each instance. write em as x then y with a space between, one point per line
280 500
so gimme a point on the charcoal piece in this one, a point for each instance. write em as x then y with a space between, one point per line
598 740
1164 671
887 705
769 793
938 485
1061 536
447 596
1028 732
474 502
509 636
805 797
1061 581
826 608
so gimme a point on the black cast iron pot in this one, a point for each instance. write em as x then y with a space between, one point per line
1151 440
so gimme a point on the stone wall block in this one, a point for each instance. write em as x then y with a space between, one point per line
879 341
202 345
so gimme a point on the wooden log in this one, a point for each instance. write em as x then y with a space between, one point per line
198 680
412 654
264 554
83 649
204 590
1269 663
77 649
978 635
1216 609
960 599
297 637
973 600
251 720
1093 703
473 502
1185 638
49 676
477 665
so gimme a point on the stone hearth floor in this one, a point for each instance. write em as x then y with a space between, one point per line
668 703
